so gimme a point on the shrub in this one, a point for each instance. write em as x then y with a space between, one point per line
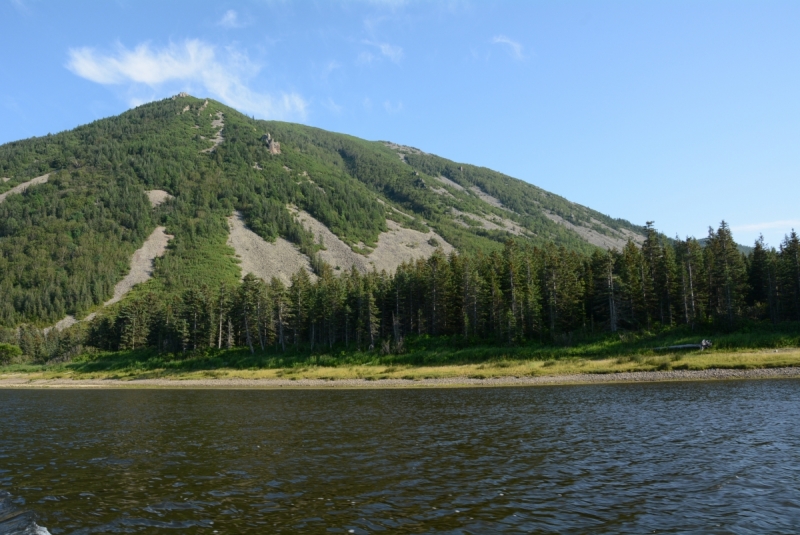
8 352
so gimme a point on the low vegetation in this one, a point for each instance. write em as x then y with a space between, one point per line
429 357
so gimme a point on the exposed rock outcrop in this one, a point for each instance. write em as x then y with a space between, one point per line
273 146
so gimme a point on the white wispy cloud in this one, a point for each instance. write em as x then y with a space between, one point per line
391 52
230 20
193 65
20 5
333 106
393 108
514 48
329 68
394 53
768 225
366 57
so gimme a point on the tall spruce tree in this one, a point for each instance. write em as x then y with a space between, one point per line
790 275
727 274
763 281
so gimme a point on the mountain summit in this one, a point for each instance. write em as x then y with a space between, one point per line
187 191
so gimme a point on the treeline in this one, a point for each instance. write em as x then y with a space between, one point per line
520 294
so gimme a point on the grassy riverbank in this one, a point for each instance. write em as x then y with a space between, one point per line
434 358
504 368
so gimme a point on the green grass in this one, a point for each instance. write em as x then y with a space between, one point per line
427 356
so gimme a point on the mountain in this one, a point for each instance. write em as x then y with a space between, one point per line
187 191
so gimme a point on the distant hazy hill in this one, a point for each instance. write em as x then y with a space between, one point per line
744 249
75 206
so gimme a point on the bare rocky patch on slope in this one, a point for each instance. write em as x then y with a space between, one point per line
400 244
142 263
25 185
488 199
158 197
336 253
141 271
442 191
448 182
616 240
263 259
219 123
394 247
402 150
490 222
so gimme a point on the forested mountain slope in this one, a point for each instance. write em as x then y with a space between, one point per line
189 165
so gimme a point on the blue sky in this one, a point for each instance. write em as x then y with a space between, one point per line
684 113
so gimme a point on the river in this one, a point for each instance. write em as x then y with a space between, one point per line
712 457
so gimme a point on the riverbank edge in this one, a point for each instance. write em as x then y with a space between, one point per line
713 374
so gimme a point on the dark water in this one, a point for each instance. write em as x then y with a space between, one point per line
691 457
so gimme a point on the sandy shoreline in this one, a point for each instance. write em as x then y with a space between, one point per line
22 381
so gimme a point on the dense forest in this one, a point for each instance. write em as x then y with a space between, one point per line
517 295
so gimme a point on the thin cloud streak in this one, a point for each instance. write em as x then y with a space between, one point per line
230 20
392 52
20 5
365 58
514 48
393 108
334 108
329 68
192 65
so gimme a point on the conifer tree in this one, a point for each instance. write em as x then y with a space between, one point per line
667 283
727 273
790 274
633 291
605 293
133 321
282 310
299 298
690 258
251 303
651 258
436 282
763 280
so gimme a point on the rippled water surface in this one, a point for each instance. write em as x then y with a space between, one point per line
682 457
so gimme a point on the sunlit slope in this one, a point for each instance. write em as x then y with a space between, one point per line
65 243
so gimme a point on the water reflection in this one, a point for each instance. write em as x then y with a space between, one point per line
624 458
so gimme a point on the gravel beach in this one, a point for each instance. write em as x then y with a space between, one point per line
625 377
